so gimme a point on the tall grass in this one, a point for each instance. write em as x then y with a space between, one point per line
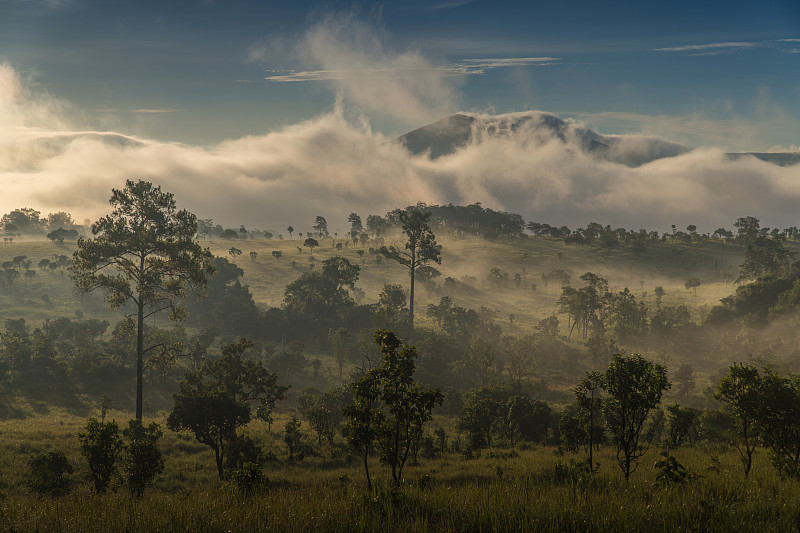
502 490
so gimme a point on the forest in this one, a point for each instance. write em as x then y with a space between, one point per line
435 367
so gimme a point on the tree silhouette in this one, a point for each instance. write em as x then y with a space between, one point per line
420 249
321 226
144 252
311 243
634 387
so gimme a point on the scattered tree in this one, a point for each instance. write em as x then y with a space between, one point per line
144 252
420 249
635 386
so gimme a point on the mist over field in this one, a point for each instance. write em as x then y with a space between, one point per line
332 165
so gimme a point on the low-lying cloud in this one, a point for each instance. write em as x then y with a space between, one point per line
331 167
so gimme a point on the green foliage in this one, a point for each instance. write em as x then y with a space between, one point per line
671 471
293 438
144 252
764 256
780 422
214 400
101 446
491 412
588 397
323 411
144 460
741 392
389 408
322 295
682 423
634 386
47 474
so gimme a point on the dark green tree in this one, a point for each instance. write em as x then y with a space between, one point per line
419 250
682 424
763 256
394 408
293 437
741 391
634 387
780 422
101 446
48 474
234 252
322 294
215 399
589 399
144 460
144 252
356 226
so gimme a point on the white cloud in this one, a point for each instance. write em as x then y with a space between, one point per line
349 55
327 166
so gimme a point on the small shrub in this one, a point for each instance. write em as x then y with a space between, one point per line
47 474
144 461
249 478
100 446
671 471
425 482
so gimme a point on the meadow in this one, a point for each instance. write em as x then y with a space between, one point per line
522 488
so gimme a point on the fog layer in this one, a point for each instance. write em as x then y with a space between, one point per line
330 166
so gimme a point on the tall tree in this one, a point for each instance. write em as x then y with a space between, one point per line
419 250
356 226
321 226
587 394
145 252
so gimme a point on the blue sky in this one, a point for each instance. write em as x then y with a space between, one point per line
203 71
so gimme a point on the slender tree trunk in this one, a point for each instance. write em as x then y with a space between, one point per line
411 295
139 358
591 432
218 457
366 467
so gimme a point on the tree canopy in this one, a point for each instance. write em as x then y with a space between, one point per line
144 252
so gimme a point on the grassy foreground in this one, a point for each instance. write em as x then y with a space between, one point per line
533 489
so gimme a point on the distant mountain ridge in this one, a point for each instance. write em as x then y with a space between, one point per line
536 128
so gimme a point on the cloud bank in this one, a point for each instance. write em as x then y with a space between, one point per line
331 167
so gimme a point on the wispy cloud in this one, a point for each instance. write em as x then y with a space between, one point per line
144 111
731 46
466 67
710 46
449 5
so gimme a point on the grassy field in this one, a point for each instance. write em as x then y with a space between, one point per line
517 489
669 265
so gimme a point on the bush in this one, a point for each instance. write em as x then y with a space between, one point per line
47 474
144 461
100 446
